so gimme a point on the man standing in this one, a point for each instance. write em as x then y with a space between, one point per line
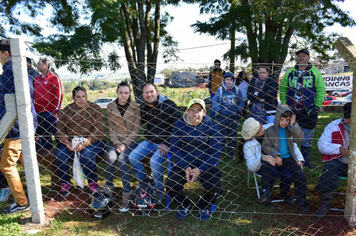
195 146
11 151
215 81
334 147
303 89
48 97
159 113
31 72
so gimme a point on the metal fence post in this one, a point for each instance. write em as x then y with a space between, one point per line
348 51
23 101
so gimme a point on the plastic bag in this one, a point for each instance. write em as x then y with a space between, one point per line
78 173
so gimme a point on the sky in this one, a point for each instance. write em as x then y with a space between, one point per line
198 50
188 14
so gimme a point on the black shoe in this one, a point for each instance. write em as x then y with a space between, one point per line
303 206
265 197
267 203
289 200
16 208
322 211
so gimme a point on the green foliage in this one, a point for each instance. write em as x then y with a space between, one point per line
270 25
14 12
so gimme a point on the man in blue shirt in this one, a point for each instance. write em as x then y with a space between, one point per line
195 146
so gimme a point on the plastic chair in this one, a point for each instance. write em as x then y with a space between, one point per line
255 175
168 198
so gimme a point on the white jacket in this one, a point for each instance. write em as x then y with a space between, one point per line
253 154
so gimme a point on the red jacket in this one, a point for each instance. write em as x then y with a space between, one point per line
48 94
331 140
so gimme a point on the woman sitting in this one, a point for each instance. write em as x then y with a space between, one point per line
124 124
82 119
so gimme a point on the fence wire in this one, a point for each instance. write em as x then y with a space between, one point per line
220 145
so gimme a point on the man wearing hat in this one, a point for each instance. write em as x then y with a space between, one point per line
11 152
303 89
195 146
334 147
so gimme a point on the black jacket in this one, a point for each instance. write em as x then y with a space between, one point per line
160 120
268 93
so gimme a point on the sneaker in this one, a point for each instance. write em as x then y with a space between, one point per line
65 189
125 202
289 200
93 187
16 208
204 215
266 196
182 212
4 194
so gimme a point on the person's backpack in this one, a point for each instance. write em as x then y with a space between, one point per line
145 196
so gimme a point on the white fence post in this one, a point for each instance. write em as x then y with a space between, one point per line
348 51
23 100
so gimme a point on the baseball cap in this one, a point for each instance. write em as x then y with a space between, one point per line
196 101
304 50
347 110
5 44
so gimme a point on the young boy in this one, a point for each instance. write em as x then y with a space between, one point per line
279 142
227 104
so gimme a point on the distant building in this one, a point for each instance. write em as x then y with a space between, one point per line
188 79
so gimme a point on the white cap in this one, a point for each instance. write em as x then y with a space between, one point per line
250 128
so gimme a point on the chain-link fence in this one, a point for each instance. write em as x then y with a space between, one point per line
168 155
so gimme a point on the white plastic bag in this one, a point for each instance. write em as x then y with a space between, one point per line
78 173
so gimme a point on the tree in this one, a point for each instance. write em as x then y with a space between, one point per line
138 26
273 27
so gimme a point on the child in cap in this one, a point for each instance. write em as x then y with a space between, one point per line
227 104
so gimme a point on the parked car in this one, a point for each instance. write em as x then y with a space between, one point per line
342 101
328 99
341 93
103 102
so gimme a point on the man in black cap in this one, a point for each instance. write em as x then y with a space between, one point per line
303 89
334 147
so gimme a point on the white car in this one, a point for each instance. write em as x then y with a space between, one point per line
342 101
103 102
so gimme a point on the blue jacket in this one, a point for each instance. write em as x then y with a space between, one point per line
198 146
228 102
8 87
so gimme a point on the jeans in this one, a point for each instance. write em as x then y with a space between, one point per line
210 179
122 159
288 172
11 153
47 123
143 150
228 128
87 158
329 179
